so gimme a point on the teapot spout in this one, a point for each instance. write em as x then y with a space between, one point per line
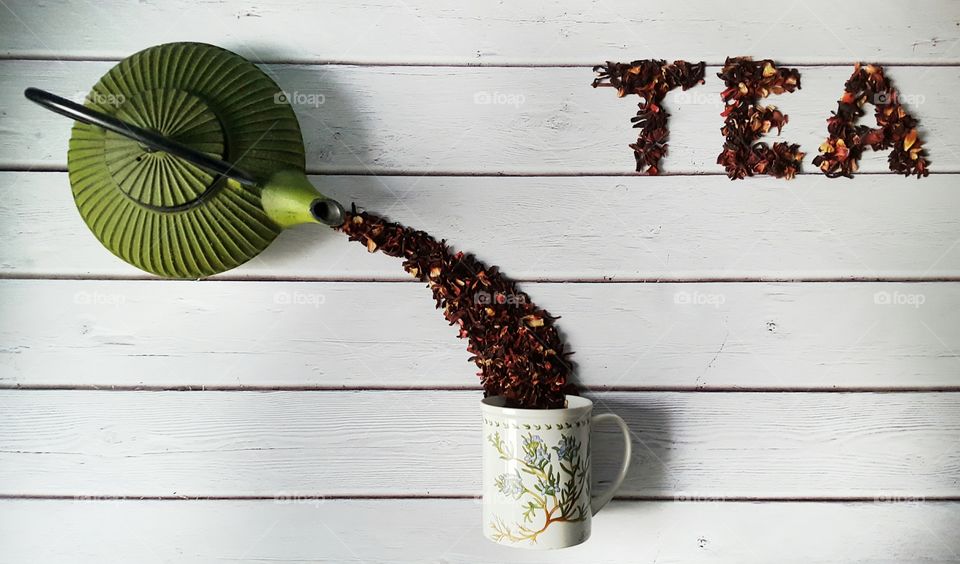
290 199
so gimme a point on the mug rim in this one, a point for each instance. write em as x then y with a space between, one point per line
574 405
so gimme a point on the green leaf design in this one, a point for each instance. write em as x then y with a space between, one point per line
552 497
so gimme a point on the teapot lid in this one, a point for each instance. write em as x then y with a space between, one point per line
158 211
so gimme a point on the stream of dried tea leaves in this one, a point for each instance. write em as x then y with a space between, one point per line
514 343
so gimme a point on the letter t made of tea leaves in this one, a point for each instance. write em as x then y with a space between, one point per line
650 79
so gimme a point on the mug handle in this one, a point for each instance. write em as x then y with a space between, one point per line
598 501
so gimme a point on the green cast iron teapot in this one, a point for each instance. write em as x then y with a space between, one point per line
187 160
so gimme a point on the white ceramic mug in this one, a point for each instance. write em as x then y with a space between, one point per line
536 473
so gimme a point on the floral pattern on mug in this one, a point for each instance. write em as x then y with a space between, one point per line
510 485
535 451
549 487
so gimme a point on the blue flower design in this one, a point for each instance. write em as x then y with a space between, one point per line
535 451
567 448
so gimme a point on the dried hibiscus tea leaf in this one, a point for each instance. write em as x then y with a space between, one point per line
650 79
515 344
897 130
747 82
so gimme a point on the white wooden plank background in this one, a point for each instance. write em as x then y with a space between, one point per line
742 445
445 530
327 335
373 378
545 32
596 229
416 120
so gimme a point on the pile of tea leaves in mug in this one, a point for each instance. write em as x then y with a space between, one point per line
514 343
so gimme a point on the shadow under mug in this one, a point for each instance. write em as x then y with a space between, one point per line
537 472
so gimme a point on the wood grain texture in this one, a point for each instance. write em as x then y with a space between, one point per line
409 97
416 120
638 228
449 531
350 334
752 445
431 31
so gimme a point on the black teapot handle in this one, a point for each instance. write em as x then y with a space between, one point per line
84 114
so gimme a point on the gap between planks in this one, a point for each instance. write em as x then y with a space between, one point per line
520 280
460 64
386 497
39 168
466 388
